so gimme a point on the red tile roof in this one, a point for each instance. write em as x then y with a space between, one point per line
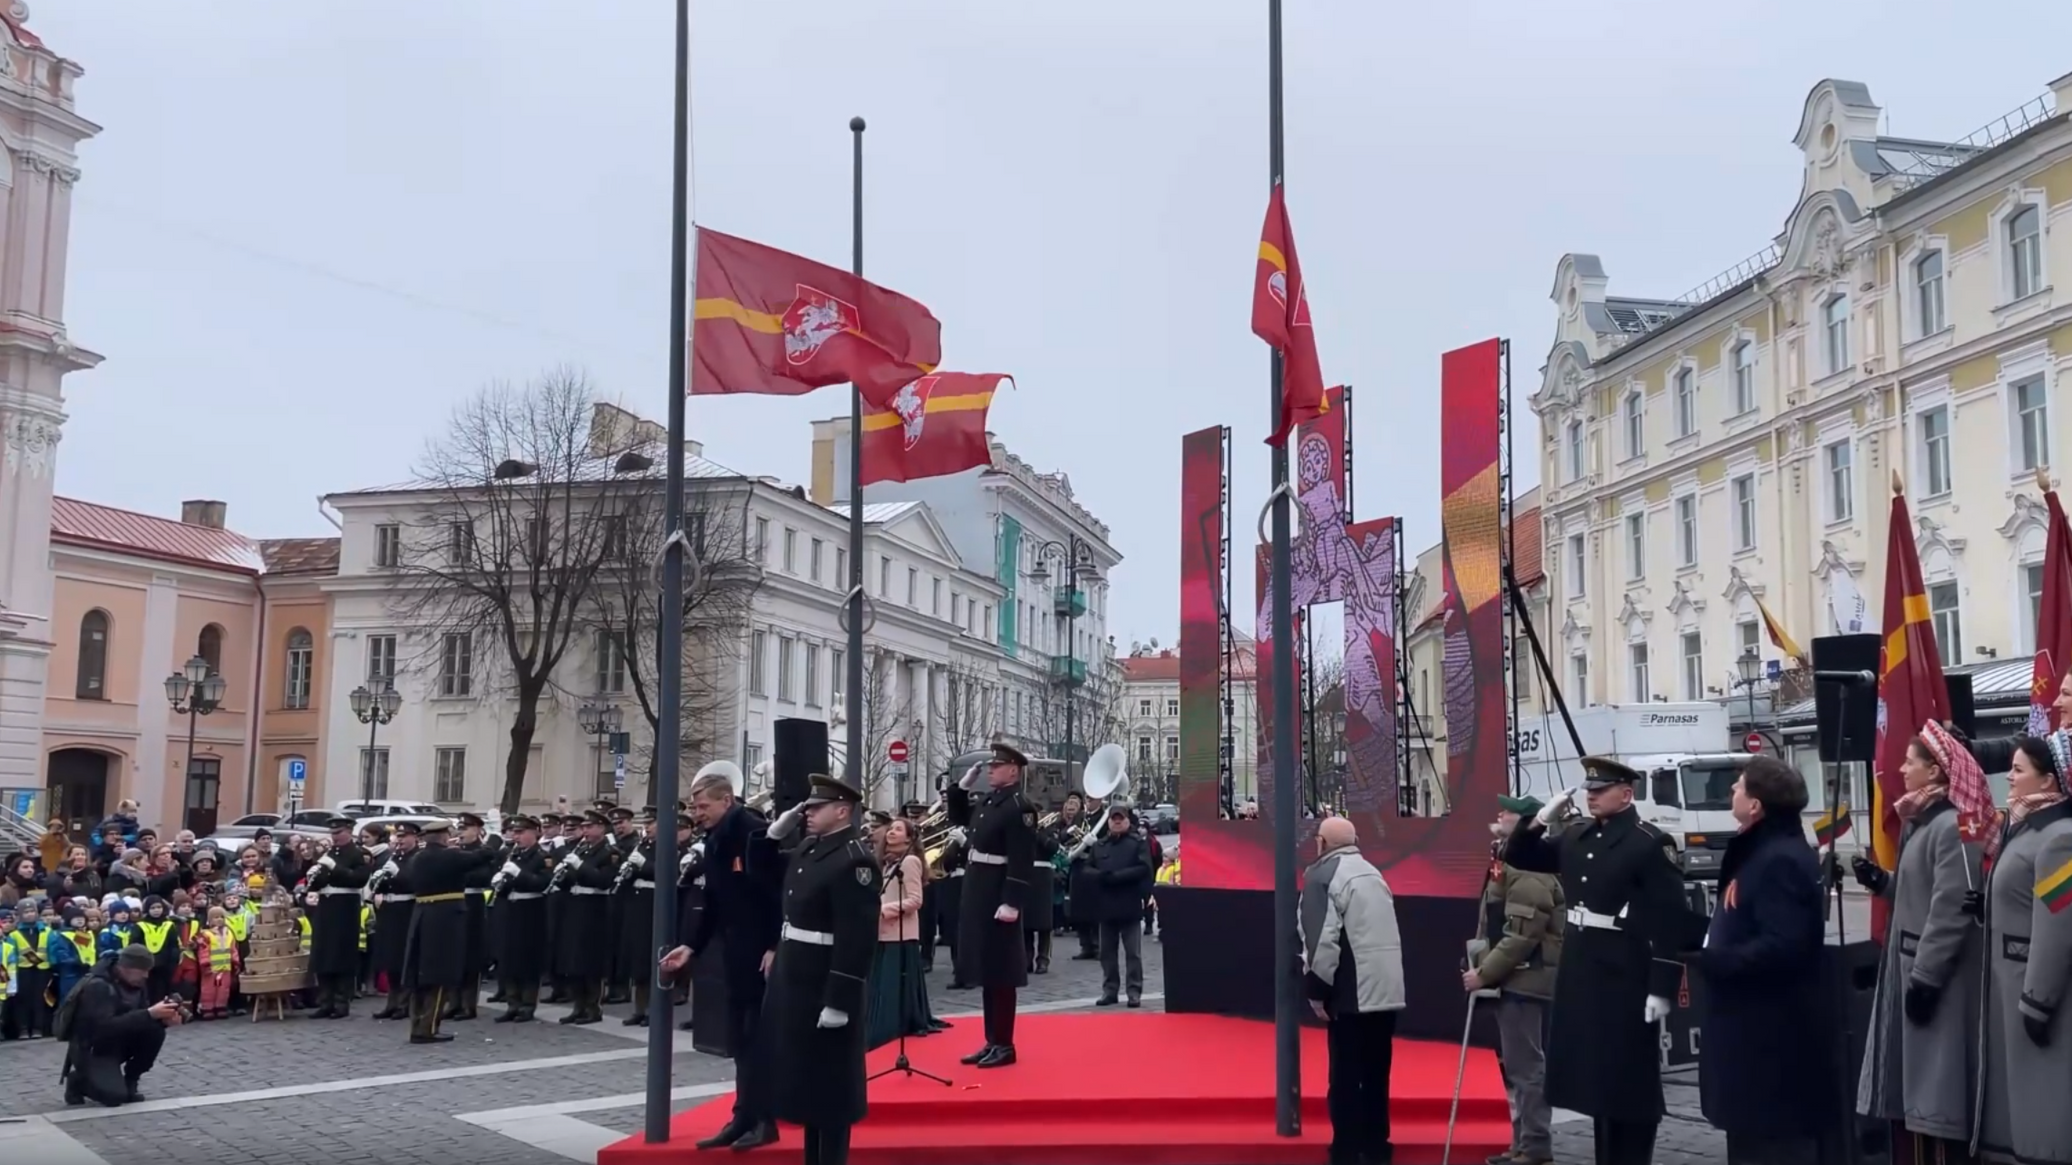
80 523
1164 668
300 555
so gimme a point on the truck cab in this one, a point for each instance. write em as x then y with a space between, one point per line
1690 797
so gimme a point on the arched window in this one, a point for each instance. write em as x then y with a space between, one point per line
301 661
93 656
210 648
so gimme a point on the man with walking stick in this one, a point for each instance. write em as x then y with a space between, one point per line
1627 924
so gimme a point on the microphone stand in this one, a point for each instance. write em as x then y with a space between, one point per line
901 1063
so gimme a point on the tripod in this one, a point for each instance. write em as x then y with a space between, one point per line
901 1063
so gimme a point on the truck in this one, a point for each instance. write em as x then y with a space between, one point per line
1681 752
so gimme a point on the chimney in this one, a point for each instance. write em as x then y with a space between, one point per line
2061 90
203 513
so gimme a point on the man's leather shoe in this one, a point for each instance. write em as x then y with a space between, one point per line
975 1057
1043 964
132 1094
434 1038
730 1132
525 1016
1105 1001
323 1012
1136 1001
571 1017
762 1134
1000 1057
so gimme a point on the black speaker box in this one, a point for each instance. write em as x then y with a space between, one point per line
1846 713
801 751
1963 709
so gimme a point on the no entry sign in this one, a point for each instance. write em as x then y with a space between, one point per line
896 752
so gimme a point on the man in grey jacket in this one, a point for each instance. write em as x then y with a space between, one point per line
1352 962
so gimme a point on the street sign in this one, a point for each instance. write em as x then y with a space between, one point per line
619 772
298 770
896 752
1752 743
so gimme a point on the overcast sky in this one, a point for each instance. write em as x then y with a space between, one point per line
310 227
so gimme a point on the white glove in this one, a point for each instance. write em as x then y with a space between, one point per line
786 822
829 1017
697 849
572 860
957 834
1006 914
326 862
510 870
636 859
1657 1009
389 868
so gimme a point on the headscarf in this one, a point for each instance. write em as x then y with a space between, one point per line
2019 806
1966 787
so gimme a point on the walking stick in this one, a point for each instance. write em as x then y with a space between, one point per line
1460 1075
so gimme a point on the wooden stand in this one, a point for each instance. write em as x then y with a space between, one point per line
277 966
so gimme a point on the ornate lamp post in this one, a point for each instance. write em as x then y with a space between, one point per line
1750 666
601 721
1078 560
195 691
373 709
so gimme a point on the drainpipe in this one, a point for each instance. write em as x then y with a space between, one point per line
257 699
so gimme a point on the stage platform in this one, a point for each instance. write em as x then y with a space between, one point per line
1134 1088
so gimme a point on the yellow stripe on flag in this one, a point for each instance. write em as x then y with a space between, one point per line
727 309
2057 885
1916 608
1884 845
1779 637
941 404
1272 254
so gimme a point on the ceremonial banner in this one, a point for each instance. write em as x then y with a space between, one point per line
2053 620
1280 316
1911 691
935 427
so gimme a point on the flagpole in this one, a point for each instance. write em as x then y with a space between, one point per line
1287 1030
669 639
852 764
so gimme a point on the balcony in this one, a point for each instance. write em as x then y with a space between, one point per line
1068 602
1067 671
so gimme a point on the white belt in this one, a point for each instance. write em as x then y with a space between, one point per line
524 897
587 890
800 934
1040 864
958 872
640 885
986 859
329 890
388 898
1591 920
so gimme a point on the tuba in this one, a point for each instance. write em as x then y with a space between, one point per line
1105 781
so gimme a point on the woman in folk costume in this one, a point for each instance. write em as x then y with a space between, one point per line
1920 1054
2026 1070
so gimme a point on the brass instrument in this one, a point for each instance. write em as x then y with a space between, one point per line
1106 780
932 836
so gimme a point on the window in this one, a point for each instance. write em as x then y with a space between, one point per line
2031 415
1841 483
884 577
2032 586
1935 451
1686 390
1744 377
1928 293
388 544
842 570
374 770
935 596
813 559
611 662
209 645
1636 547
302 653
381 661
1575 450
457 664
1637 663
1144 707
1633 419
613 544
1172 705
838 673
2025 252
1949 628
450 775
913 587
1575 567
762 540
1835 333
791 551
1747 638
1687 530
93 657
460 543
1744 512
1693 666
758 647
785 646
1579 676
813 675
754 756
987 622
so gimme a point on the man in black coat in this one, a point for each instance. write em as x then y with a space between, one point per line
334 939
435 956
1000 835
468 991
634 892
744 913
116 1033
394 902
1117 876
1627 925
520 886
583 942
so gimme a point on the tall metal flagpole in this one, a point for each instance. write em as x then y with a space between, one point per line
1287 1029
669 640
852 767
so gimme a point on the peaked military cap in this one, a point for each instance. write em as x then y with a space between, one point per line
1602 772
1007 754
827 790
594 817
521 821
470 821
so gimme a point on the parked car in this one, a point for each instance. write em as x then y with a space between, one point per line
381 807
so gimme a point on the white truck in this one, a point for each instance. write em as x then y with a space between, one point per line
1679 750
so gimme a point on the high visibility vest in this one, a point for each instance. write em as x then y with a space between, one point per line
302 924
222 950
88 947
32 952
239 922
155 934
366 924
10 963
1169 874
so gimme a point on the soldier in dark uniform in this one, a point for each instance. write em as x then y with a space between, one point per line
1628 923
583 950
334 940
553 844
462 1001
634 890
625 840
393 903
520 886
951 893
1039 915
435 959
1000 840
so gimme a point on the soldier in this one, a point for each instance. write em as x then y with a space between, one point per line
520 889
435 957
1039 913
1000 841
634 890
552 845
625 839
1628 922
393 902
334 941
583 951
954 871
477 952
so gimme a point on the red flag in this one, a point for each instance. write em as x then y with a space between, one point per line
1911 691
935 427
2054 620
1280 316
771 322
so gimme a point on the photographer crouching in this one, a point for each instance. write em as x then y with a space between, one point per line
115 1034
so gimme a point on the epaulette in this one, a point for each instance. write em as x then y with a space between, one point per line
860 852
1649 828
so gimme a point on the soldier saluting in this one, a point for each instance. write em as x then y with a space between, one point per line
999 827
1627 922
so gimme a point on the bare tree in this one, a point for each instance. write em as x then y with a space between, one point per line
966 719
502 563
1096 712
886 717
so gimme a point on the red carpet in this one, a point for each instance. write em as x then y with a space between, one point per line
1142 1088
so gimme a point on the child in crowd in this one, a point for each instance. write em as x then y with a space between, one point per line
159 933
72 954
10 959
217 960
186 971
120 932
24 1015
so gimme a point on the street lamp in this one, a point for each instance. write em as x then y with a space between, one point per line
1078 559
1750 665
601 721
195 691
373 709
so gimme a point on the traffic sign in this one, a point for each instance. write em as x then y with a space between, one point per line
298 770
1752 743
896 752
619 771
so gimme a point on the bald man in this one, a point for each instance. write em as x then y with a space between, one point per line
1352 962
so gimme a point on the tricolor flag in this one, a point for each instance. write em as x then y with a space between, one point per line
2054 889
2053 618
770 322
1280 316
1831 825
1911 691
935 427
1779 637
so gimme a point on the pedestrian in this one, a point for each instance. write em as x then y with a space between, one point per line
1111 879
115 1033
1352 962
1000 835
1768 1065
1628 925
1519 957
435 953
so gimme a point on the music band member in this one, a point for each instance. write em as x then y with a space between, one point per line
334 940
435 955
1000 838
469 989
583 951
522 954
634 891
393 904
1628 923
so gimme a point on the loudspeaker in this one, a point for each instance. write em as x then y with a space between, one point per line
801 751
1846 713
1963 709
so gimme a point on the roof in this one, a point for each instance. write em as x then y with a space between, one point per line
1164 667
126 531
2002 685
878 513
300 555
695 468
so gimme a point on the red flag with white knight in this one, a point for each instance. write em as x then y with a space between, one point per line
2053 618
773 323
934 427
1280 316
